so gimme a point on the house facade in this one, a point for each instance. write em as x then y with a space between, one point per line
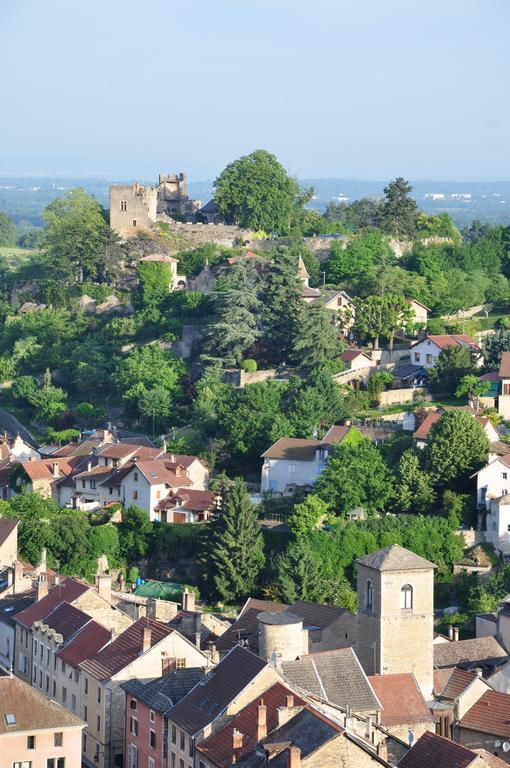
426 351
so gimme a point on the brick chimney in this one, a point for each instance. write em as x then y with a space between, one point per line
104 586
41 587
188 601
237 740
146 639
293 757
261 720
289 700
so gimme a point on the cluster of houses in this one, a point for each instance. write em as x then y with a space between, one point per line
91 675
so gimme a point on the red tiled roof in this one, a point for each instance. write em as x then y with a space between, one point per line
124 649
504 368
457 682
160 257
432 750
491 760
490 714
351 354
401 699
449 340
126 450
218 748
159 472
85 644
441 677
32 711
196 501
424 428
7 526
223 684
68 590
66 620
43 469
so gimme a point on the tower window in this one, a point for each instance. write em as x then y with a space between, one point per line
123 205
369 596
406 596
134 222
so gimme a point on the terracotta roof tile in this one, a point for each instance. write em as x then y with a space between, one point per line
68 590
491 760
457 683
66 620
124 649
504 368
401 699
432 750
32 710
218 748
424 428
490 714
86 643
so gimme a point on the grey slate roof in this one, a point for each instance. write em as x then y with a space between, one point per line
334 676
394 558
163 693
479 651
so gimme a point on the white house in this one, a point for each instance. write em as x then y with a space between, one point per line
420 312
293 462
504 392
426 351
493 480
498 524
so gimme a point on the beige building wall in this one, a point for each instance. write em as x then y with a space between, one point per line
470 696
340 752
13 747
9 548
132 203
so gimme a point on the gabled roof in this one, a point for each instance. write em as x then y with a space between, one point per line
504 368
14 604
246 626
7 526
161 257
316 615
125 649
161 472
491 760
449 340
196 501
218 748
301 449
415 301
451 683
394 558
401 699
67 590
308 731
129 450
424 428
86 643
32 710
164 692
66 620
432 750
223 684
351 354
490 714
334 676
478 650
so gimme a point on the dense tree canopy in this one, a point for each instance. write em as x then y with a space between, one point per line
457 447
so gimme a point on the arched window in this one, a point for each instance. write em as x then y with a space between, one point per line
369 596
406 596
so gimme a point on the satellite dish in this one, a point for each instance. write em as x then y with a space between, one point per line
506 746
497 744
410 737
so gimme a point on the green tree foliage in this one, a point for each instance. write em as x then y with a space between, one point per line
376 384
398 213
493 347
48 401
76 235
378 316
154 406
317 342
8 234
70 545
235 547
24 387
360 214
256 192
452 365
306 515
355 476
234 327
362 253
299 574
35 530
471 386
146 368
134 533
155 278
414 491
440 225
457 447
282 305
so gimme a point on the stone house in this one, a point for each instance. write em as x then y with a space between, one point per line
294 462
434 750
8 541
396 615
41 476
9 607
147 707
177 282
185 505
504 389
426 351
35 732
143 651
420 312
486 725
492 481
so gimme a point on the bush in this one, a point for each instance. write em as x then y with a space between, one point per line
249 365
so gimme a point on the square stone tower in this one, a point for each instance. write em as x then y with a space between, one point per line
396 615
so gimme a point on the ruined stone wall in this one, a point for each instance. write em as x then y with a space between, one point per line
132 208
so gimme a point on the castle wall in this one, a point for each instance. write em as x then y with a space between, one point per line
133 208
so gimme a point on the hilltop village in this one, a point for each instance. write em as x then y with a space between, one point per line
254 481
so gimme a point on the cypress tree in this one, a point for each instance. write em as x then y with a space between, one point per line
235 544
282 305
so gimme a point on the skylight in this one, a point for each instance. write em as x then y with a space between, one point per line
10 719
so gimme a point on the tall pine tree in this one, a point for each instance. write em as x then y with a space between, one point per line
317 342
282 305
235 547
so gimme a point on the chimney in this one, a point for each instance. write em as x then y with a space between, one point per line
479 671
167 665
369 731
104 586
289 700
146 639
42 587
382 749
172 458
188 601
450 631
54 469
455 634
163 446
42 565
237 739
89 466
18 577
293 757
261 720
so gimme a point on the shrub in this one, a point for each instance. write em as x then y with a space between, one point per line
249 365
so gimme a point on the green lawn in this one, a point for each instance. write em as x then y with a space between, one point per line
15 257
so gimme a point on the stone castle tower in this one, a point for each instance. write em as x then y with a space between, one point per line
396 615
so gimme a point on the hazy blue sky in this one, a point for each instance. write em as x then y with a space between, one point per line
337 88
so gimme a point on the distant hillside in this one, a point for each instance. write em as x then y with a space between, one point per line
25 198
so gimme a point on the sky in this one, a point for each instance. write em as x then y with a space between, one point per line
354 89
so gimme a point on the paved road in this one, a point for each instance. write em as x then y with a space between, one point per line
12 426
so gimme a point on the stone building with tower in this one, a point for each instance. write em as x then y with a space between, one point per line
396 615
134 207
